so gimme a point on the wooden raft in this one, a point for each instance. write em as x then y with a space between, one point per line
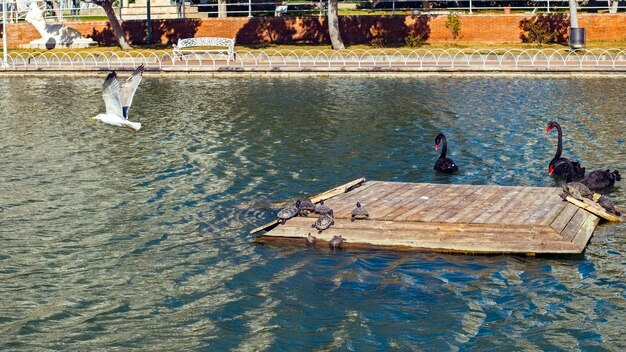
448 218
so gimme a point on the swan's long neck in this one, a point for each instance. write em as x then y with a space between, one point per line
444 147
559 146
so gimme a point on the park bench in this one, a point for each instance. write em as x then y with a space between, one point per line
205 45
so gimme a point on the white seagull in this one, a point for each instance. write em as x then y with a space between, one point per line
118 97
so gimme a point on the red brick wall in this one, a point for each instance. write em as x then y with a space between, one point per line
355 29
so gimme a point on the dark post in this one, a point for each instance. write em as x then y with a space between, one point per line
149 40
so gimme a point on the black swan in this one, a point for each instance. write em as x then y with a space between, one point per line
561 169
594 180
600 179
444 164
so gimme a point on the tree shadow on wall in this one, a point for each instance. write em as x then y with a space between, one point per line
545 29
136 32
389 30
384 31
276 30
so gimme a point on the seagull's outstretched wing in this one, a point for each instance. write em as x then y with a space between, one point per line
128 89
111 94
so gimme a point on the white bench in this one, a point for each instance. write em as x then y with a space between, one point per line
186 46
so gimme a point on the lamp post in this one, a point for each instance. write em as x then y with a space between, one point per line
149 40
5 60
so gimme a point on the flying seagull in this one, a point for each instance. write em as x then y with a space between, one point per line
118 97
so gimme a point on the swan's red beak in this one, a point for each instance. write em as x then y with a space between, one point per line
436 146
550 170
548 129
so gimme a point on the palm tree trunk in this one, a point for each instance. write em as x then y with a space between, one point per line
115 24
333 25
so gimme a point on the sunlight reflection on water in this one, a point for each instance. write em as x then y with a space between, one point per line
119 240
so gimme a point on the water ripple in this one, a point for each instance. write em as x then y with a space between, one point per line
113 240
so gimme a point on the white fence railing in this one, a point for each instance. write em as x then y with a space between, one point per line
306 60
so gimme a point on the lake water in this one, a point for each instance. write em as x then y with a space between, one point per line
115 240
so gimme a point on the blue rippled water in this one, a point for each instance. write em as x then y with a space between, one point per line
114 240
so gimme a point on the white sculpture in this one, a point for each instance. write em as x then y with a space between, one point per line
54 35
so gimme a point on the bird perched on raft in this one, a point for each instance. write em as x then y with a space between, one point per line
359 213
561 169
288 213
324 222
444 164
118 99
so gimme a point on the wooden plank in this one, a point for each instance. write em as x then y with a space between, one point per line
594 208
537 203
379 209
507 213
564 217
522 204
322 196
492 206
423 195
477 208
410 199
380 196
541 248
572 227
549 209
393 201
346 202
396 229
498 207
452 200
424 202
337 190
425 239
479 196
586 230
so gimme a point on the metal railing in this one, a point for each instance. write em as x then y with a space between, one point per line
73 9
311 60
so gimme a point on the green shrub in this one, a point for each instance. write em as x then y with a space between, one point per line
378 42
415 40
544 29
453 23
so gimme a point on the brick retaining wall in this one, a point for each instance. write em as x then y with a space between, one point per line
355 29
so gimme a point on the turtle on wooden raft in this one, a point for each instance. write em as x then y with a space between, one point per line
288 213
310 240
606 203
579 191
335 242
322 209
576 190
306 207
324 222
359 213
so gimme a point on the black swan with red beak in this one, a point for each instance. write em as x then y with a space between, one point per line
561 169
444 164
595 180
